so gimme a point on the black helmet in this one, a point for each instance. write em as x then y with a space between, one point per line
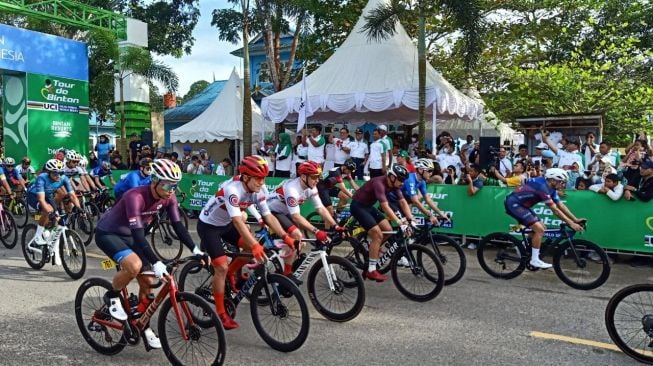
350 164
398 171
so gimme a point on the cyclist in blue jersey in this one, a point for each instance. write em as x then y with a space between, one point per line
136 178
535 190
43 196
101 171
15 180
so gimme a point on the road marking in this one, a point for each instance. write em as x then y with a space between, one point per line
584 342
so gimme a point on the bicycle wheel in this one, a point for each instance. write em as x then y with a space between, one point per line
346 301
21 213
629 320
73 254
423 280
92 211
357 255
206 345
89 308
451 256
282 321
8 230
83 226
34 259
501 255
586 269
163 243
107 204
195 279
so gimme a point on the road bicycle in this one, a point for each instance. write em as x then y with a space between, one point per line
629 320
87 202
189 330
448 250
579 263
8 229
81 222
103 200
278 309
61 244
18 208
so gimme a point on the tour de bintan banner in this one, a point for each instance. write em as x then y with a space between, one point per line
57 115
617 226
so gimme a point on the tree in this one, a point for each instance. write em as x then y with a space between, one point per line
196 88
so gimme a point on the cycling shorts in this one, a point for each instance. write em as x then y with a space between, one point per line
368 217
524 215
285 220
211 237
116 247
33 201
326 193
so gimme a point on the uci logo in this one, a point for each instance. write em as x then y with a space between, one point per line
51 106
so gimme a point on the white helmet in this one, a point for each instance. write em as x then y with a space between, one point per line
54 165
82 162
165 169
424 163
556 174
9 161
71 155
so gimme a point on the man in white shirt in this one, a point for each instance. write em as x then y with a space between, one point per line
605 151
359 151
343 148
589 148
468 146
316 144
377 156
568 156
521 155
388 145
220 169
448 157
537 158
504 164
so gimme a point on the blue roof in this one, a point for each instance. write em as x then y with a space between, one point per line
194 107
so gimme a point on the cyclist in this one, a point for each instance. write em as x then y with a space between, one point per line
43 196
136 178
86 178
120 234
73 171
535 190
375 223
334 186
26 170
101 171
14 178
221 219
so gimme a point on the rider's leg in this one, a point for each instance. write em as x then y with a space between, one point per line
219 275
237 263
130 267
536 243
342 202
296 234
376 236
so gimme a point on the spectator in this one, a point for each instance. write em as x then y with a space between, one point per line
644 188
134 150
104 148
377 156
468 146
582 184
315 143
452 177
635 151
195 166
174 157
447 157
441 139
612 187
437 177
522 154
186 159
146 152
208 163
516 178
473 179
604 152
475 154
330 152
503 163
589 148
388 145
343 147
221 168
413 147
282 156
403 158
568 156
631 176
92 160
301 150
117 164
359 151
537 158
574 173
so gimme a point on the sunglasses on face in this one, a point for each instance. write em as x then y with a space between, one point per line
169 186
315 176
55 174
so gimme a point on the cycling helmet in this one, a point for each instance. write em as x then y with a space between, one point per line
424 163
105 165
54 165
310 168
71 155
78 156
398 171
26 160
165 169
254 166
10 161
556 174
145 162
82 162
350 164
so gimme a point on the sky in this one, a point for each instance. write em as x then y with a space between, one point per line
209 55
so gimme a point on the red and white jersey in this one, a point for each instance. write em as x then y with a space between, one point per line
289 195
230 200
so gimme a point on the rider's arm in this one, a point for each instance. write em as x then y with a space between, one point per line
563 213
353 183
141 245
5 184
178 227
71 191
344 189
244 232
434 206
390 214
405 208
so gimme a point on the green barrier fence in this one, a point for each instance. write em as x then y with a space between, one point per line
617 226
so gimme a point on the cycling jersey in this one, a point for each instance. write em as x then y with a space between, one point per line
410 188
132 180
230 201
2 174
99 172
73 172
534 191
333 177
289 195
13 177
43 184
26 173
376 189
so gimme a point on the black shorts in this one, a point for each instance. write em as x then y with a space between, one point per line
33 201
368 217
325 193
115 246
211 237
523 215
285 220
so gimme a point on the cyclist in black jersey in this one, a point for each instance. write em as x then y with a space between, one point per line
334 186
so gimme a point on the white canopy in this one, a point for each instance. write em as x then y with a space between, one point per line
223 119
477 128
365 80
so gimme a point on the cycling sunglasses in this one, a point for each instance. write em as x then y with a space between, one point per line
56 174
169 186
314 176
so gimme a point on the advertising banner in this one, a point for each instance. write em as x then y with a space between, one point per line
15 115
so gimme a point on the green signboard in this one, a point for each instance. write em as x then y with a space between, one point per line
15 115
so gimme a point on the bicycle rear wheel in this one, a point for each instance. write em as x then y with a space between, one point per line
34 259
282 320
206 344
21 212
451 255
586 269
84 227
423 280
629 320
8 230
501 255
195 279
346 301
92 210
89 308
165 246
73 254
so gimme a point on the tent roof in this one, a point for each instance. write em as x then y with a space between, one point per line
223 119
368 80
196 105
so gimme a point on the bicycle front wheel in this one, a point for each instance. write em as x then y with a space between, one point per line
165 246
84 227
585 268
282 320
204 344
8 230
34 259
629 320
451 255
423 279
73 254
501 255
347 298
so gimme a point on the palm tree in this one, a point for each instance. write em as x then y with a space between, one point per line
382 20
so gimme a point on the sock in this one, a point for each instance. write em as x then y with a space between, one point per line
218 297
372 265
39 231
236 264
287 269
535 254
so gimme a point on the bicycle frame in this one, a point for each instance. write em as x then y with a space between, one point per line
564 234
53 241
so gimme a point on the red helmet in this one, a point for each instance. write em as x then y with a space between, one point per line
254 166
310 168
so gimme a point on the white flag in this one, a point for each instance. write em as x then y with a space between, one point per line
304 105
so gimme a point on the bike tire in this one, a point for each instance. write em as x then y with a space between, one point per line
21 213
73 257
643 309
83 226
496 250
585 248
8 230
92 210
433 277
33 259
89 301
196 279
164 245
358 254
344 290
280 307
191 351
451 255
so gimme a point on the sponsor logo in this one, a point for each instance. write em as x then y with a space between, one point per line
291 202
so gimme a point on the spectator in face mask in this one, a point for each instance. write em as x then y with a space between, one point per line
643 190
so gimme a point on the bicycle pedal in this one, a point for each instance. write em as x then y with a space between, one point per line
532 268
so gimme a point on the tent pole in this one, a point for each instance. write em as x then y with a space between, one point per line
480 128
434 132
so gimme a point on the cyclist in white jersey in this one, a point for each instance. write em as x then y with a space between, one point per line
221 219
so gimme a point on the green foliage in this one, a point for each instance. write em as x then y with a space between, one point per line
195 89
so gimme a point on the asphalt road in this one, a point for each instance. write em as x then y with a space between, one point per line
478 321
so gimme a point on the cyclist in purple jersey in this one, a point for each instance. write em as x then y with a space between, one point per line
120 234
541 189
374 222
